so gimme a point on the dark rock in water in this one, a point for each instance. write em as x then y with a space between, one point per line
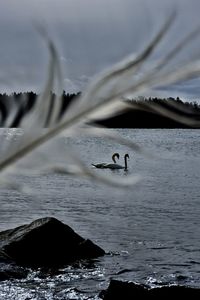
119 290
46 242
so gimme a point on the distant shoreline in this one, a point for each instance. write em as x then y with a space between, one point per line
144 113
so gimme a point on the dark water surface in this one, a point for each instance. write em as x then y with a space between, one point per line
151 231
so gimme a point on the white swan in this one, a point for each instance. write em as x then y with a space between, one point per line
116 166
104 165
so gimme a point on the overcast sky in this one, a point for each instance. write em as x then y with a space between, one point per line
90 35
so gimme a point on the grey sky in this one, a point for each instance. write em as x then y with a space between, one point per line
90 35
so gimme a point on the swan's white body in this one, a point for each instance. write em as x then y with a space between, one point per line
105 165
116 166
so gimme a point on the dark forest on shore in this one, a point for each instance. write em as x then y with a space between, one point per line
140 113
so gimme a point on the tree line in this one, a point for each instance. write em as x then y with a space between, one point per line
140 113
156 113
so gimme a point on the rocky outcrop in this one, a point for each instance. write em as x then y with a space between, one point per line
119 290
45 242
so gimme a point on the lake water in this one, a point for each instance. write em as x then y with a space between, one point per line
150 231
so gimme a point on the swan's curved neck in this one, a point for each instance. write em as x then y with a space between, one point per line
125 161
113 157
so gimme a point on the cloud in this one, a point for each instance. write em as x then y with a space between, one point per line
76 85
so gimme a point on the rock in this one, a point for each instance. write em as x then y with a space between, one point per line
46 242
118 290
